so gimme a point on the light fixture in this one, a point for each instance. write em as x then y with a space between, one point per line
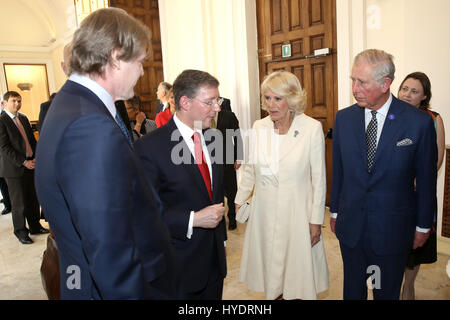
84 7
25 86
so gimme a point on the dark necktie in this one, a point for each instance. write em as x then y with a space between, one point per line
371 139
124 129
201 162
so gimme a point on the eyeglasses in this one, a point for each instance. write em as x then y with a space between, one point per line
212 102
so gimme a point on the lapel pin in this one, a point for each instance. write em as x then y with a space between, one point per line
295 133
391 117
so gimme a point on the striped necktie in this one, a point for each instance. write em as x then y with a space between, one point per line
371 139
124 129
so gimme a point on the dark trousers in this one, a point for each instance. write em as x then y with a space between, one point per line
361 262
213 289
230 190
5 193
24 203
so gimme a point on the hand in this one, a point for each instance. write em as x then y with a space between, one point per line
237 165
29 164
236 207
140 117
314 231
333 224
420 238
209 217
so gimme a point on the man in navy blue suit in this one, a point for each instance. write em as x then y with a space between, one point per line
180 165
384 180
106 218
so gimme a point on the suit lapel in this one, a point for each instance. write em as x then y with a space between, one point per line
288 141
190 165
389 130
215 181
358 125
28 131
15 130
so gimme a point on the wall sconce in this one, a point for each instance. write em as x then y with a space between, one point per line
25 86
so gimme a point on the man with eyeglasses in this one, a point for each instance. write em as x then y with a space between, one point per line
190 185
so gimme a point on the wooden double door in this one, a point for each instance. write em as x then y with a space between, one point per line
305 25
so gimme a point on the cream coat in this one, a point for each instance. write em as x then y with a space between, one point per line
287 176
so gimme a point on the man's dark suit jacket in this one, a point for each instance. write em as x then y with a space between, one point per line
227 120
182 190
383 204
44 109
12 145
159 108
111 240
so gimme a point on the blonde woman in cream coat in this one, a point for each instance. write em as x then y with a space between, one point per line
283 254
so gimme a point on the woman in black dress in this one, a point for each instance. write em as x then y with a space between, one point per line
416 90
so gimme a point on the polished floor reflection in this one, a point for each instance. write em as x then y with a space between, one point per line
20 277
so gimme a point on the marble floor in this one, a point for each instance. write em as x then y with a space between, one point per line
20 277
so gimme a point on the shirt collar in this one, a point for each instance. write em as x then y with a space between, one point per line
10 114
185 130
97 89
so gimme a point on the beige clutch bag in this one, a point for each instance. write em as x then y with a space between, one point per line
244 212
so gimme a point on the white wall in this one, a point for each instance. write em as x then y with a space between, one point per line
415 32
218 37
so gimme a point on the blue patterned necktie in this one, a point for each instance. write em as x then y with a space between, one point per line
124 129
371 139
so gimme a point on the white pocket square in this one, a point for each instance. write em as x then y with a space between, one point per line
404 142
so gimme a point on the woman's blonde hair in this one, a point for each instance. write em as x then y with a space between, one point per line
287 85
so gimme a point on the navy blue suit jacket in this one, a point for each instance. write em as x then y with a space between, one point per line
383 203
105 216
182 190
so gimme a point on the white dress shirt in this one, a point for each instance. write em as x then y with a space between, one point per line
186 132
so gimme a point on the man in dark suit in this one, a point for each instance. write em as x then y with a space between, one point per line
228 125
382 147
190 185
17 146
162 93
66 69
3 186
112 243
